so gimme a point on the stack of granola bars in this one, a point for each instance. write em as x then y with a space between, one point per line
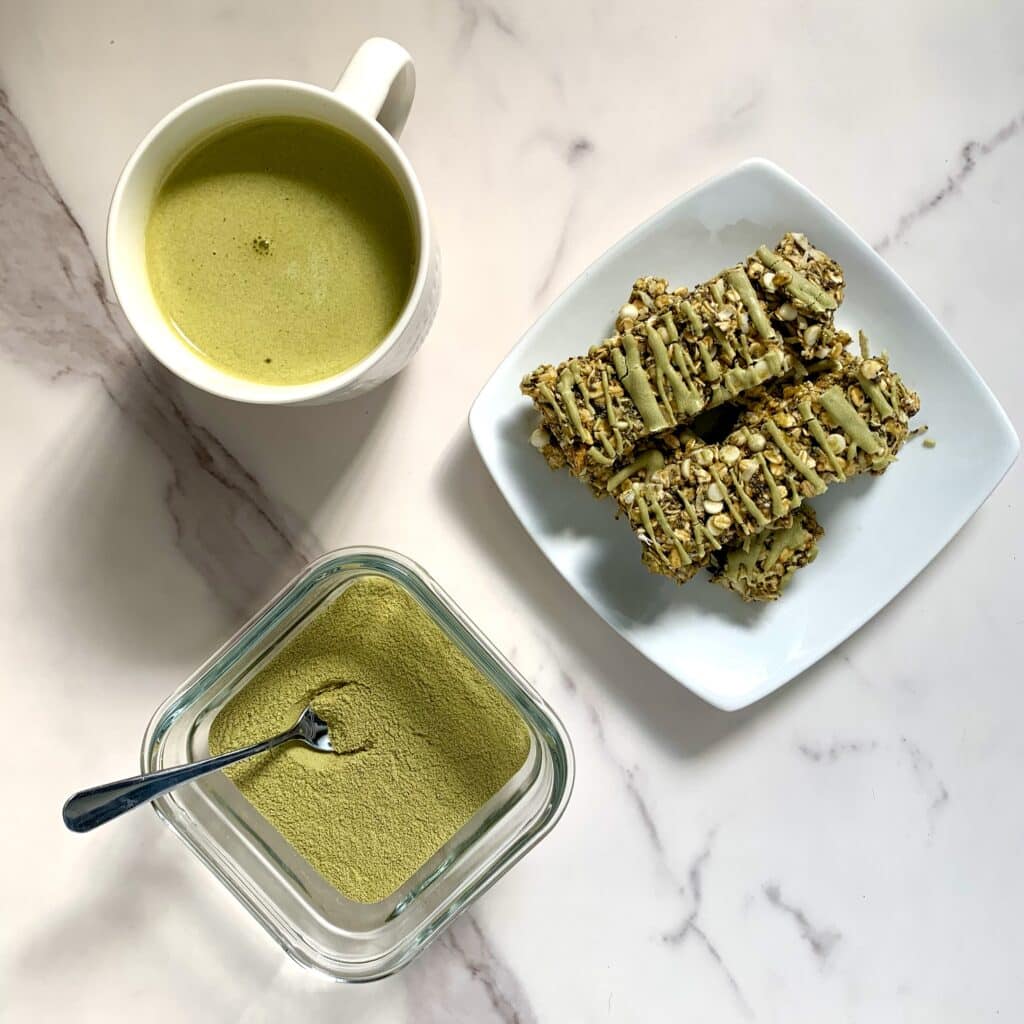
640 416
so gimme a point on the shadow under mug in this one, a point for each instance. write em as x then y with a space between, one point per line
370 103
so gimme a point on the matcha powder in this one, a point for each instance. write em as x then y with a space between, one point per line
423 740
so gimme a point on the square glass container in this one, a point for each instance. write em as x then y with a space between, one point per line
311 920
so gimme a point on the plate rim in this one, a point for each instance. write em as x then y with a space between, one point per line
1003 458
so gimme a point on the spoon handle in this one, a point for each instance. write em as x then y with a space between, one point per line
91 807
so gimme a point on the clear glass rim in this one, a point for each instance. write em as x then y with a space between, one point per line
539 716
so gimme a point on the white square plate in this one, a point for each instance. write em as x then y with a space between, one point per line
730 653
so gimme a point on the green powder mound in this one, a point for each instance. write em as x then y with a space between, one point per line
423 740
282 251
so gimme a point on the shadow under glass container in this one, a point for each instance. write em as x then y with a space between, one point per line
313 922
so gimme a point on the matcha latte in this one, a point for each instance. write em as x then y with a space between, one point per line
281 250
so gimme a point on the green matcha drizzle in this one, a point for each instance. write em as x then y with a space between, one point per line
548 395
636 383
746 558
659 514
609 405
744 349
748 503
686 365
896 392
565 389
659 383
799 287
743 378
783 445
684 399
683 364
648 461
645 518
843 414
733 511
796 499
741 283
712 371
723 343
581 386
818 433
606 443
699 531
695 321
778 508
876 396
792 537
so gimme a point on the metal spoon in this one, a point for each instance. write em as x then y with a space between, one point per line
92 807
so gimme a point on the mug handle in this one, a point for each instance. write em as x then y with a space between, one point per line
379 83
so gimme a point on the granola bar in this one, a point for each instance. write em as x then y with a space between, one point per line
758 568
677 353
801 287
791 447
643 382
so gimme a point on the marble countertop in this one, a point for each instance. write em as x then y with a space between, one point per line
848 849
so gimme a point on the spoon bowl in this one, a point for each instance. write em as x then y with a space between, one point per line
91 807
315 733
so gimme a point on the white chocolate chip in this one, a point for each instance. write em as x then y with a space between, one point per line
540 438
713 507
836 443
715 493
748 467
756 442
730 454
787 311
870 368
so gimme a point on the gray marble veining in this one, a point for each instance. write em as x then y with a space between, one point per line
971 153
462 978
844 850
57 320
690 890
821 940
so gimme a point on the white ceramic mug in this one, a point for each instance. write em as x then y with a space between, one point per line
371 103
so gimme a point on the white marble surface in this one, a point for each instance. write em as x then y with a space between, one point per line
847 850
